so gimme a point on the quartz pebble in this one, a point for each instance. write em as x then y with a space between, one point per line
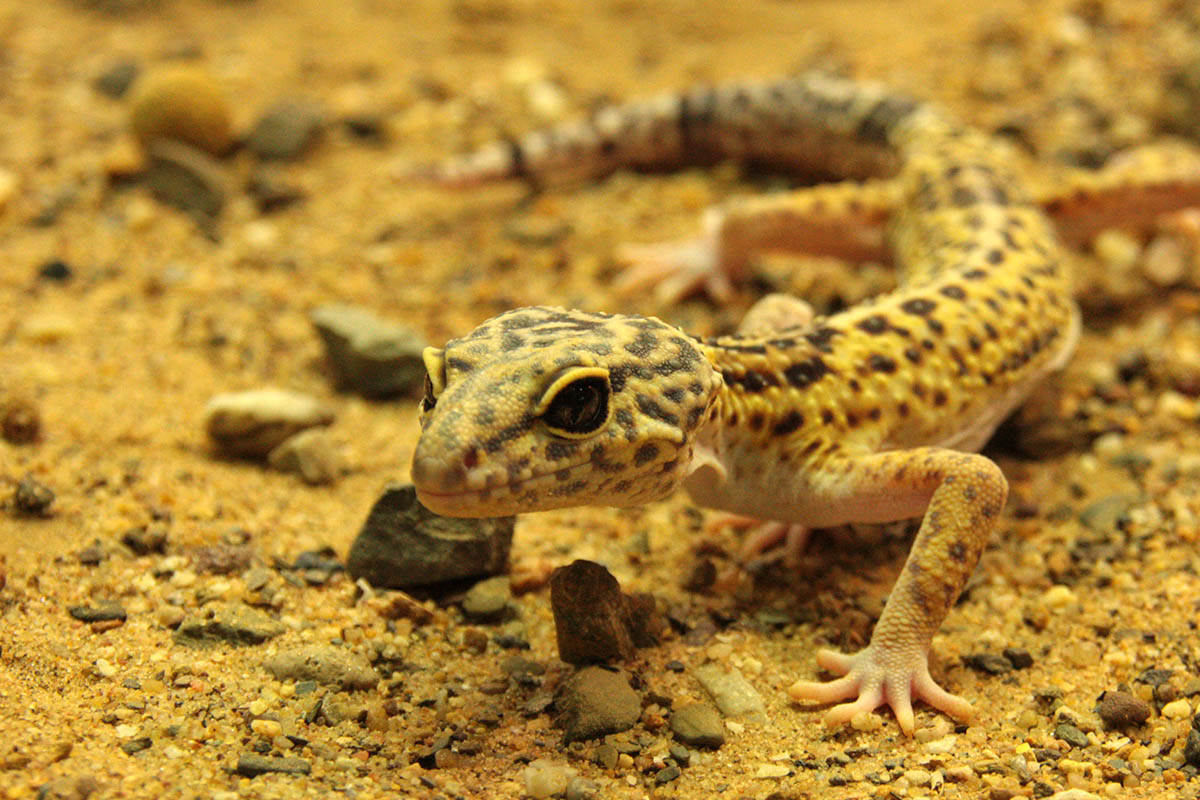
545 778
732 693
255 422
311 454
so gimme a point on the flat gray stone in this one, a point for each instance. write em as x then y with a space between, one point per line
369 355
251 766
187 178
402 544
287 129
595 702
732 693
227 622
331 666
698 725
487 601
254 423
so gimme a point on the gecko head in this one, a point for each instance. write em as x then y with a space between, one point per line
544 408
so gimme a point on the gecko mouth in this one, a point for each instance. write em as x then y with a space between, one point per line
498 500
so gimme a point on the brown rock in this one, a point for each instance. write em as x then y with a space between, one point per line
1121 710
19 421
589 614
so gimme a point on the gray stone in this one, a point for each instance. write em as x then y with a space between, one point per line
371 356
1071 735
103 612
186 178
311 454
402 544
1102 515
116 78
487 601
582 789
256 422
287 129
33 497
1191 749
233 622
732 693
596 702
331 666
251 766
698 725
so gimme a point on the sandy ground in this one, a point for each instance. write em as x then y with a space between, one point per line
1094 573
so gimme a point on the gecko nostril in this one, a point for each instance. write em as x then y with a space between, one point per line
471 458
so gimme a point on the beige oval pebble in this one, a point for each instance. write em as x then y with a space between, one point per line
183 103
253 423
1177 709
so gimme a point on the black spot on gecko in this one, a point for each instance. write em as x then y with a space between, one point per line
953 292
789 424
882 363
645 454
807 372
874 324
918 306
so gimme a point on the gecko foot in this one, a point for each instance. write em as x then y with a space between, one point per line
876 675
674 269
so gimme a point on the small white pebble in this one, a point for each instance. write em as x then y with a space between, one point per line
257 707
104 668
183 578
942 746
171 751
866 721
1177 709
1058 596
545 778
126 731
267 728
917 777
772 771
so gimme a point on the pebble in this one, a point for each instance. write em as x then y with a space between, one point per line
1103 515
772 771
251 766
254 423
287 129
732 693
144 541
583 789
1121 710
222 559
1166 261
589 614
311 454
69 787
990 663
595 702
488 600
20 422
98 613
404 606
115 80
268 728
32 497
1071 735
55 270
325 664
402 544
181 103
186 178
1191 749
1177 709
698 725
369 355
475 640
233 622
134 746
546 778
271 191
666 775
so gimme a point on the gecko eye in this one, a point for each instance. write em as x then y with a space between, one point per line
435 377
579 406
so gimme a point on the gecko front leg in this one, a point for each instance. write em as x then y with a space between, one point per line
965 493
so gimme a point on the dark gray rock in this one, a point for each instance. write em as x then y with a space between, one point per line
402 544
698 725
1071 735
233 622
33 497
251 766
143 541
116 78
331 666
287 129
595 702
102 612
1191 749
368 355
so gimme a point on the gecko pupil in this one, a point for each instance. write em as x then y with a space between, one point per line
428 401
580 407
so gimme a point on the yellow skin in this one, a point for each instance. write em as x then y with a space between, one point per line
869 415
